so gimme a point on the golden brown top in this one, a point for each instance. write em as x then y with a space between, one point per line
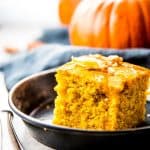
98 61
101 68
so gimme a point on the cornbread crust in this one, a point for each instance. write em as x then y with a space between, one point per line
97 92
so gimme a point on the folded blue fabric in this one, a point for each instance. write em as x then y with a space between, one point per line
53 55
55 35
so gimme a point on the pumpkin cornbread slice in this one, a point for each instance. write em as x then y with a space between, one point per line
97 92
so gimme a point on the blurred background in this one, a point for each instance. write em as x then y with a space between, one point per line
22 21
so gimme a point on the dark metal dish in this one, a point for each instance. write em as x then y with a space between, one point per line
32 99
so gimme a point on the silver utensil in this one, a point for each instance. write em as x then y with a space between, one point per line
9 140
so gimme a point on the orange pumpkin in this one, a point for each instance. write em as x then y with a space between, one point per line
66 9
111 24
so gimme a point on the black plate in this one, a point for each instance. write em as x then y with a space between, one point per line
32 99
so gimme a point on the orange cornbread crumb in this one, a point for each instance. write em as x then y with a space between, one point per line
103 93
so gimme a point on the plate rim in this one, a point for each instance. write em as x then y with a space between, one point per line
49 126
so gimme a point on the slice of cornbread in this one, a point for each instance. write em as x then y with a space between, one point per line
97 92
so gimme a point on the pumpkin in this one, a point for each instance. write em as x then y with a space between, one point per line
111 24
66 9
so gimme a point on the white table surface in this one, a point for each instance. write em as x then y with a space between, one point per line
27 141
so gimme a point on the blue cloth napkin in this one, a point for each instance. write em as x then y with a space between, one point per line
52 55
55 35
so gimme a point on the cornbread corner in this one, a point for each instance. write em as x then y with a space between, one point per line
103 93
